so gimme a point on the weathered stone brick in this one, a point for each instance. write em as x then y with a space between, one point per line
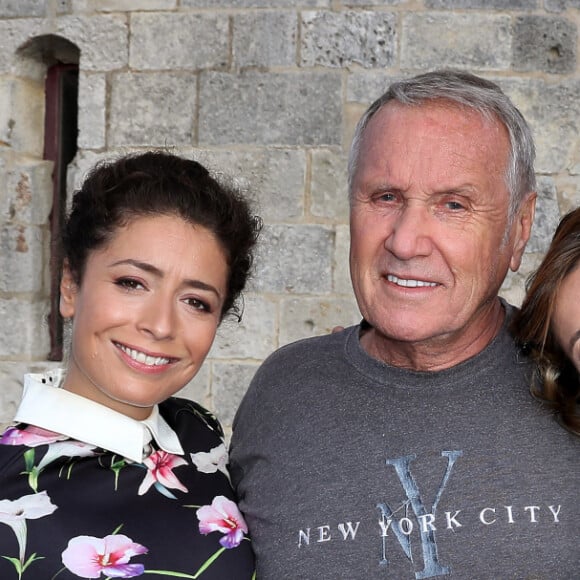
229 384
275 178
151 109
21 258
483 4
475 41
553 111
545 44
568 188
22 115
365 87
28 198
190 41
355 3
306 317
328 185
270 109
341 275
513 287
198 389
80 166
547 216
265 39
23 8
295 259
339 39
560 5
103 40
92 111
14 34
24 330
254 3
259 321
122 5
11 379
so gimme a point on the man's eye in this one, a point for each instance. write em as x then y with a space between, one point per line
454 205
388 197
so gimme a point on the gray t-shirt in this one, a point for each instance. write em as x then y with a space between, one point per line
348 468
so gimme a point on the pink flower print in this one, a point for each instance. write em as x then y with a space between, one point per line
89 557
30 436
160 466
223 516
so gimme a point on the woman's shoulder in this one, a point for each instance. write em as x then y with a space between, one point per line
185 415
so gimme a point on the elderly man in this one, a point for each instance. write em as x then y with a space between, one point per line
409 446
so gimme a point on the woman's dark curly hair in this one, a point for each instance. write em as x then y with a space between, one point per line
159 183
558 378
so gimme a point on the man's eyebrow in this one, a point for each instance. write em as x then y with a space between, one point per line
188 282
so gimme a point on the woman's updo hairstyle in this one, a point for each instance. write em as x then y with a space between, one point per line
157 183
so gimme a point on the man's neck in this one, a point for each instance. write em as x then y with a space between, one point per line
437 353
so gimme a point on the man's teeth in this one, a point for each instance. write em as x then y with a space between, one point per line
142 358
409 283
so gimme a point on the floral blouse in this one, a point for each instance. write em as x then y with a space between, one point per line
72 510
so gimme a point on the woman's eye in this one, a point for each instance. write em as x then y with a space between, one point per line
197 304
129 283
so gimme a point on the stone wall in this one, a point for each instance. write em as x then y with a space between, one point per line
268 91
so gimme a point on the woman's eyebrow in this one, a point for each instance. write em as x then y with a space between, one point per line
145 266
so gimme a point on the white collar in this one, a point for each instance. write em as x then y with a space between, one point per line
49 407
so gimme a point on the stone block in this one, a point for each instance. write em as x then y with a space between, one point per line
265 39
151 109
28 198
295 259
560 5
367 86
122 5
270 109
22 115
568 188
21 258
255 337
14 34
482 4
547 216
274 178
190 41
306 317
92 111
553 111
513 288
229 384
355 3
328 186
545 44
23 8
472 41
341 281
231 4
24 329
198 389
11 381
340 39
102 40
80 166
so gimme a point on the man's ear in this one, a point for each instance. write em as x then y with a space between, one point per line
68 292
523 223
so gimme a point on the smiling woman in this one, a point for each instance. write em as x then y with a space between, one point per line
156 254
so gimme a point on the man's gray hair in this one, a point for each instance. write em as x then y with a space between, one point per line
475 93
